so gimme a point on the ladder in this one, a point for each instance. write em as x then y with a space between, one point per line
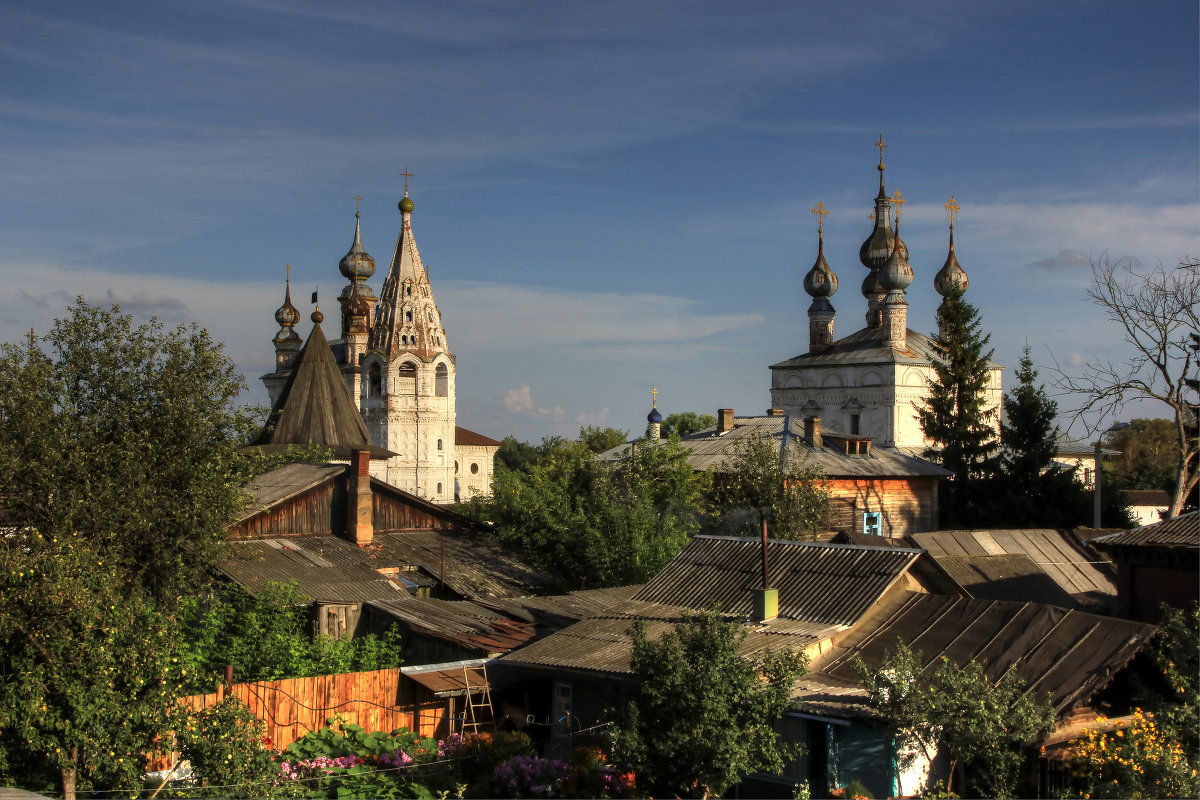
477 711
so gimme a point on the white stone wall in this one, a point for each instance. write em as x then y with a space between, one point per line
473 470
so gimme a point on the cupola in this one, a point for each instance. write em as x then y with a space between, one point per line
820 283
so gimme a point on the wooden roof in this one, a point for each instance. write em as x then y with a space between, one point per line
315 407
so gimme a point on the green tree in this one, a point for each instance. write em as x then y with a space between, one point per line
600 440
703 716
89 669
515 455
1147 456
125 435
985 726
684 422
955 417
752 477
596 523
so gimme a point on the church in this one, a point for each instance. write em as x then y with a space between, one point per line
871 382
396 362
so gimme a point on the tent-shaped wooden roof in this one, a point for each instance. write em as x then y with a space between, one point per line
315 407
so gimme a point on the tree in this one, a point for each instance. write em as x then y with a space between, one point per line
752 477
1156 311
1148 454
703 715
596 523
601 440
684 422
955 417
88 669
985 726
125 435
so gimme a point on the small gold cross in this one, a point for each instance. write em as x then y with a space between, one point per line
871 217
406 175
952 208
288 268
898 201
654 396
357 200
820 212
881 146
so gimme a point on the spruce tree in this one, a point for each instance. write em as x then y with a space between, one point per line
955 417
1029 433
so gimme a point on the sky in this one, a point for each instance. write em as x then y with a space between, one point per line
609 196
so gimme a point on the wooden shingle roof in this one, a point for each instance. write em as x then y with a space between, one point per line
315 407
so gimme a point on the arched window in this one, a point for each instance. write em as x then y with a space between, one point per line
375 381
439 489
441 381
406 378
408 316
439 444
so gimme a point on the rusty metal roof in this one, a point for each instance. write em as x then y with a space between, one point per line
708 449
824 583
603 643
315 407
450 679
1180 531
464 624
1081 572
867 346
558 611
1069 654
471 563
325 568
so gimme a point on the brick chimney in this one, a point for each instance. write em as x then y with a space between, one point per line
812 432
360 527
724 420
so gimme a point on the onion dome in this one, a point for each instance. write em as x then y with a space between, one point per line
654 416
820 280
951 275
896 273
871 284
317 317
879 245
406 204
357 265
287 315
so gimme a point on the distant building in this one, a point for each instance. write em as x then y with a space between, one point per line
1147 506
870 382
1080 456
398 366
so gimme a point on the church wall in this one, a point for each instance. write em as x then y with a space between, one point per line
473 470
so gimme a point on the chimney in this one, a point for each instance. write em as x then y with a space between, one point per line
766 599
812 432
724 420
359 507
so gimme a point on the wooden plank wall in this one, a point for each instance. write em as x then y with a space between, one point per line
906 503
315 511
382 700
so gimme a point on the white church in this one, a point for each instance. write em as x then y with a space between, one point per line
400 372
871 382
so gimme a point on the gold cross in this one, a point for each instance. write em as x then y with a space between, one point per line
820 212
654 396
898 201
952 207
357 200
288 267
881 146
871 217
406 175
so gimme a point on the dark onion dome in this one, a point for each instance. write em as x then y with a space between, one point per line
879 245
871 284
898 242
654 417
896 273
951 275
820 280
357 264
406 204
287 315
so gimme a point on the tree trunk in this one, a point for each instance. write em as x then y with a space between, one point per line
68 776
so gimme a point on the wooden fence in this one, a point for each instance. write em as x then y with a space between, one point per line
382 700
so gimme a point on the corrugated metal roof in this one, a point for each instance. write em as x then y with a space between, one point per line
464 624
1080 571
558 611
708 449
1069 654
449 681
825 583
1180 531
473 564
325 568
1005 577
603 644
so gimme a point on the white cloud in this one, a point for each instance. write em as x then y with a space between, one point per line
598 419
517 400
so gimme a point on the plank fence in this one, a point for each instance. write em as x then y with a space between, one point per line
381 700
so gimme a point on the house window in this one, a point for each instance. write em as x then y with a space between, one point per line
1087 477
441 381
855 427
873 523
439 490
439 444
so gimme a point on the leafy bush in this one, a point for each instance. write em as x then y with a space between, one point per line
228 751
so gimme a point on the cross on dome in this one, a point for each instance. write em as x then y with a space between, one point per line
952 208
820 212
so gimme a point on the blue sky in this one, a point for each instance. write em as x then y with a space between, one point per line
610 196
